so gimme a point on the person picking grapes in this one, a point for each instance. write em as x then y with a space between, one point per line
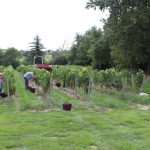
27 77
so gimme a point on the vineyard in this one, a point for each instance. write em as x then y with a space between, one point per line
86 78
81 82
102 102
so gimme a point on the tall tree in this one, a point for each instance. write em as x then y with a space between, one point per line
128 30
1 56
91 48
100 54
36 50
79 54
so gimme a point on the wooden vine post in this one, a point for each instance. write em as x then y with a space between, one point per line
89 89
50 88
75 85
132 78
8 87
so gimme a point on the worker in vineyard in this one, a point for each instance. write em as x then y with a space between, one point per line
1 82
27 77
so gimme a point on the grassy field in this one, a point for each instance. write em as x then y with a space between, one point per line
102 123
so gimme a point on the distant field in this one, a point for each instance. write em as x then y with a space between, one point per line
48 58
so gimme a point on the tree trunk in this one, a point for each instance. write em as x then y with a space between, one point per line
148 68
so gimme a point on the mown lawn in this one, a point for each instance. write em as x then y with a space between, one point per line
89 126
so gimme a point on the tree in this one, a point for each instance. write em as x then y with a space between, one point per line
79 54
36 50
91 48
74 49
11 57
60 60
59 56
1 56
128 30
100 54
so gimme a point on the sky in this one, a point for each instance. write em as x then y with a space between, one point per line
55 21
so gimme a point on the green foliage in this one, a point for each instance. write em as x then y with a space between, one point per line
77 76
59 57
105 122
42 77
27 100
11 57
127 29
1 68
79 50
146 85
86 127
139 78
36 50
100 52
91 48
1 56
72 76
9 81
60 60
47 58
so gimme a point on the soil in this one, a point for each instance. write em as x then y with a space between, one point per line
68 92
143 107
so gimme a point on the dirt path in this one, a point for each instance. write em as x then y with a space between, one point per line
68 92
81 99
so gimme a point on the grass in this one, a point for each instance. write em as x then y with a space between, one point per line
146 85
87 127
126 96
27 100
75 130
107 101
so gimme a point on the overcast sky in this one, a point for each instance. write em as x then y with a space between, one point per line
55 21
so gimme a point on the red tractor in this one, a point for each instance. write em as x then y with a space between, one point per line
42 66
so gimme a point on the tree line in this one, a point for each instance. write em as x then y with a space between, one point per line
124 41
127 30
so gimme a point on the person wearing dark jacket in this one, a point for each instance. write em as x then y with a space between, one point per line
1 82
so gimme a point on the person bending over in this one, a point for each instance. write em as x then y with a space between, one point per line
27 77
